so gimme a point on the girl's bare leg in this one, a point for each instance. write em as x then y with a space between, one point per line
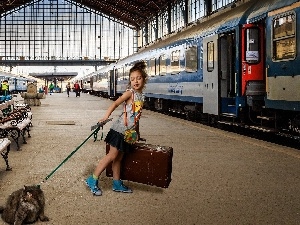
103 163
116 166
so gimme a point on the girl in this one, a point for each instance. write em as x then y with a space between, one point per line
115 137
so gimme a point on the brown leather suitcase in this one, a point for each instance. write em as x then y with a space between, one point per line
146 164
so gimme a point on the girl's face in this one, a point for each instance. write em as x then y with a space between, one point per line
137 81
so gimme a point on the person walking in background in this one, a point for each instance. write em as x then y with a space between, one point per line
51 87
45 89
132 99
77 89
68 86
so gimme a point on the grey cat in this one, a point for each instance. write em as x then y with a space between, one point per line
25 205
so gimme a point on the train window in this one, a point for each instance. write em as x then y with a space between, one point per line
157 65
201 57
163 65
117 74
210 56
152 67
191 59
126 73
284 38
175 67
121 73
252 45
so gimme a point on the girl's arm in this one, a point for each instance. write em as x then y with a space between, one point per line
126 95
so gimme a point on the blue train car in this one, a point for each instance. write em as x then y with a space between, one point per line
282 64
238 66
17 84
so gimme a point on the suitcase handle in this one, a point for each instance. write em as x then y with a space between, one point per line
142 139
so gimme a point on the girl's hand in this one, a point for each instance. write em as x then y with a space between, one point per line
102 120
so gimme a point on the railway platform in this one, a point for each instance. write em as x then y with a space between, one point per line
218 177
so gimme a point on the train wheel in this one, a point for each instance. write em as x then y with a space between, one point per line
158 104
295 125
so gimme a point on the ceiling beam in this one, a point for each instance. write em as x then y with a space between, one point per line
134 12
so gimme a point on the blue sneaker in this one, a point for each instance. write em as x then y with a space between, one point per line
93 185
120 187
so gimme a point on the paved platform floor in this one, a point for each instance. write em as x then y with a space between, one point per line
218 177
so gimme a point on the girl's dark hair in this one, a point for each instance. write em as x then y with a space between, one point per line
141 67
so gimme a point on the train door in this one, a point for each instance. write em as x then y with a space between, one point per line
91 83
252 60
227 74
210 75
112 84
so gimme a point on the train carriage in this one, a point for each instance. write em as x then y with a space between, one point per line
282 65
87 84
17 84
101 81
237 66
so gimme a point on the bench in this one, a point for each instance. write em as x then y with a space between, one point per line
6 107
20 106
4 150
16 124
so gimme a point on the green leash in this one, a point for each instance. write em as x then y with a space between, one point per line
97 127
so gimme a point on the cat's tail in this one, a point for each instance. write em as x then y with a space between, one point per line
1 209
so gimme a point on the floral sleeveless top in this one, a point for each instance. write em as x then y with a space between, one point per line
133 111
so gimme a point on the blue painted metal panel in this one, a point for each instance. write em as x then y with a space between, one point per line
280 67
240 101
176 97
228 105
177 78
284 105
232 105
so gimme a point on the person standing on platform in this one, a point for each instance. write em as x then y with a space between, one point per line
77 89
68 86
45 89
132 98
51 87
5 88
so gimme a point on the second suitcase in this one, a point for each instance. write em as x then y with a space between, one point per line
146 164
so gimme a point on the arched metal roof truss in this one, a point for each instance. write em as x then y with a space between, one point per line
133 12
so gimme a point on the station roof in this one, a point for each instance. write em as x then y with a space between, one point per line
61 76
132 12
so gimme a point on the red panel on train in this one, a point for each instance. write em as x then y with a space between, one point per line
252 54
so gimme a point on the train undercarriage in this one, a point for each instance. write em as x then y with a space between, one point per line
257 117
